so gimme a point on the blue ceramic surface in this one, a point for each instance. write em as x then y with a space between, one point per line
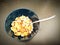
19 12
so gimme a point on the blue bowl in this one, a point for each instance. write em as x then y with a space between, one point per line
19 12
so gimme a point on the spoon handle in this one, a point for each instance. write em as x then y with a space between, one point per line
45 19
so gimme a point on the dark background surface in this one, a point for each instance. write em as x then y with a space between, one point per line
49 31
